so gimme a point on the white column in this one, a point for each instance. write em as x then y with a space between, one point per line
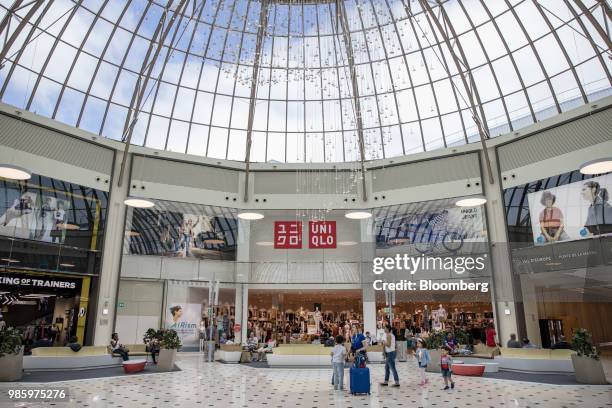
111 256
504 306
243 267
368 252
530 308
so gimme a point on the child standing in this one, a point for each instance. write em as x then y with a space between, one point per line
422 356
446 367
338 355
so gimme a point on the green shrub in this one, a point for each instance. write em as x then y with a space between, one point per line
10 341
582 343
435 340
168 338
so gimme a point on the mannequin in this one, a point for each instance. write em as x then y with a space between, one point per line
442 317
426 318
317 318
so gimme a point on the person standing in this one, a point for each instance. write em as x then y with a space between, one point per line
422 356
338 355
490 334
389 345
446 368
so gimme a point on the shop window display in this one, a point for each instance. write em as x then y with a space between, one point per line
50 240
303 316
198 315
182 230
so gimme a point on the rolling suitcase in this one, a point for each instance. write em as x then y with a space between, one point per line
359 380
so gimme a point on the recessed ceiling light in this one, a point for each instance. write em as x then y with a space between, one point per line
250 216
138 202
358 215
471 202
347 243
11 172
264 243
10 260
598 166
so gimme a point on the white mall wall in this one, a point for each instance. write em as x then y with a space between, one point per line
529 154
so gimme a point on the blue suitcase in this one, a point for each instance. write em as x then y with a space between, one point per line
359 380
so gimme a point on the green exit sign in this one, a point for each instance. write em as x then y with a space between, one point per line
121 304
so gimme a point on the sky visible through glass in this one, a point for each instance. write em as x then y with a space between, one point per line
79 62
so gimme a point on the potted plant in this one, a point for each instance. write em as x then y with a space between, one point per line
587 366
434 343
169 342
11 355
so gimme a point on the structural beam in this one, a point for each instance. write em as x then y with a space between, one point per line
466 77
141 85
341 16
24 21
588 14
261 31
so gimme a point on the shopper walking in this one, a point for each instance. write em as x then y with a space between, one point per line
446 368
338 355
390 353
422 356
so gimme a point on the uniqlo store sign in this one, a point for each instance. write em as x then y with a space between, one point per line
288 234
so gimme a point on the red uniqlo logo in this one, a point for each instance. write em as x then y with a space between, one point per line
322 234
287 234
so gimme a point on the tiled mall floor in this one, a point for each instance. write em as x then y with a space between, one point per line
202 384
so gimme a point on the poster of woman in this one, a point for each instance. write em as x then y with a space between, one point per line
573 211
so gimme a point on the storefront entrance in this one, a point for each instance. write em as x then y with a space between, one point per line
296 316
48 309
423 312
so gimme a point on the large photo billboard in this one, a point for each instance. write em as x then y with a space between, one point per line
571 212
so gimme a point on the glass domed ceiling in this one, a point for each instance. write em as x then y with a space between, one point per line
187 74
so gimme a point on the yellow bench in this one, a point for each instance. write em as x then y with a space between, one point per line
67 352
546 354
302 350
133 350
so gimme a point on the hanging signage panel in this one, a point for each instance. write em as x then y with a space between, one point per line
322 234
287 234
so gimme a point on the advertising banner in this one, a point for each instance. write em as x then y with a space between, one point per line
322 234
185 319
571 212
287 234
35 216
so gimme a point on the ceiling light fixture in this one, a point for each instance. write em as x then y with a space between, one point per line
264 243
138 202
250 216
358 215
598 166
11 172
10 260
347 243
66 265
471 202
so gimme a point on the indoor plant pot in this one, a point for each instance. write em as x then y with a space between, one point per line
434 363
11 355
588 370
587 365
169 343
166 358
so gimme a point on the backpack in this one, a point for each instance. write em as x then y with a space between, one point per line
360 360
